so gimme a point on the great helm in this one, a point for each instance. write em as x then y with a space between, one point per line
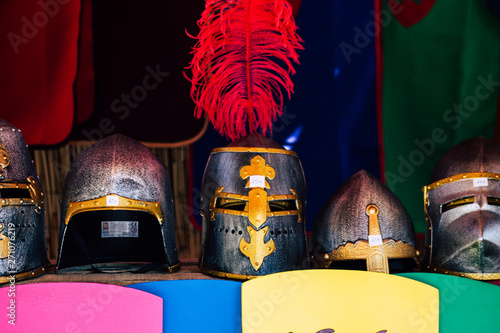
117 206
462 206
363 225
253 198
23 253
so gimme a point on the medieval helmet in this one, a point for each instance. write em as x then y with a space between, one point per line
363 225
253 198
117 206
462 206
23 253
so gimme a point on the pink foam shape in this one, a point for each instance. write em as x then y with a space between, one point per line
78 307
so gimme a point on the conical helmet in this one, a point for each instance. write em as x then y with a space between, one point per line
117 206
253 199
23 252
462 206
363 225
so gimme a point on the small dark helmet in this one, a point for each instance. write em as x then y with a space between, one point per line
117 206
462 206
253 210
23 252
363 225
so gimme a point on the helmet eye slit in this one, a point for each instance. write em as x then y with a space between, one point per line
233 204
10 193
242 205
494 201
457 203
283 205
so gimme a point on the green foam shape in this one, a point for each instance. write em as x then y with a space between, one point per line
465 305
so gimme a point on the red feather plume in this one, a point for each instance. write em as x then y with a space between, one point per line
242 64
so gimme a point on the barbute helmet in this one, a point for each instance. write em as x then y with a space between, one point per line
117 206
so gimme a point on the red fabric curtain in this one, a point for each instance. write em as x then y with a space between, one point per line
38 65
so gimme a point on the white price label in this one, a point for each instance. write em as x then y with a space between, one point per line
480 182
112 200
257 181
112 229
375 240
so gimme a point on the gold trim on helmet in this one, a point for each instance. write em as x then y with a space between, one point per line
257 250
4 242
253 150
228 275
474 276
114 202
174 267
5 159
376 256
25 275
461 176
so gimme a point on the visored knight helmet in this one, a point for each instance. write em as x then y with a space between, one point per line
23 253
462 206
253 210
117 206
363 225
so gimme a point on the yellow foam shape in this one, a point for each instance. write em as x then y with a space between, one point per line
340 301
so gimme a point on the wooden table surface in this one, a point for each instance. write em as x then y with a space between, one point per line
189 271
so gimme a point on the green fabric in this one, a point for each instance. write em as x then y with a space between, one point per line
464 305
448 61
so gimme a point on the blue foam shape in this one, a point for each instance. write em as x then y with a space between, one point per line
198 305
